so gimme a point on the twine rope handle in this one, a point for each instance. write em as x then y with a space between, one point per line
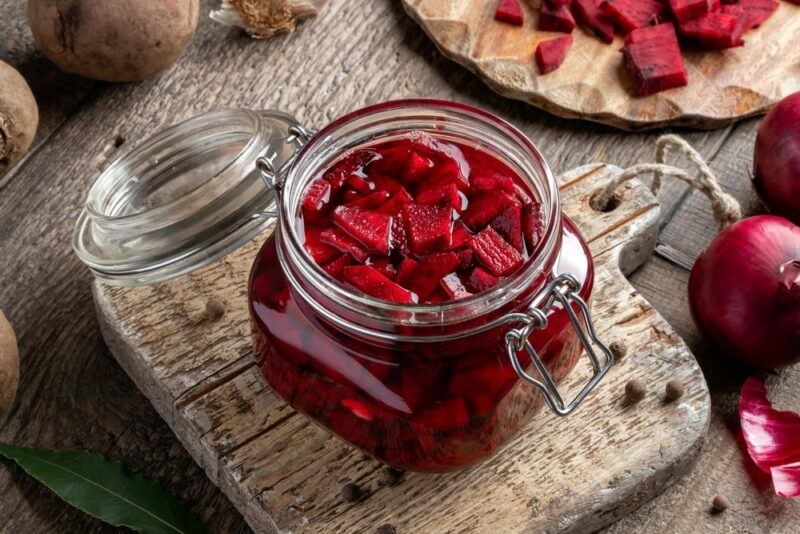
726 209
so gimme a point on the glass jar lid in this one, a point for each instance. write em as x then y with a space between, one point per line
182 198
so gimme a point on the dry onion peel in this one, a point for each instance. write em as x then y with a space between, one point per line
265 18
772 437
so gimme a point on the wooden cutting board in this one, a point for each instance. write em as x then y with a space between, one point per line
284 473
724 86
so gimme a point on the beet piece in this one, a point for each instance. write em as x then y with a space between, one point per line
551 53
396 203
714 30
344 243
751 13
405 271
351 195
349 165
321 252
448 172
399 240
392 161
509 225
480 280
370 228
316 200
454 287
336 267
509 11
438 296
429 228
371 201
483 208
465 258
359 184
429 272
653 59
482 183
632 14
532 225
461 236
495 252
451 413
589 14
688 9
452 166
554 17
446 195
417 168
383 266
373 283
385 183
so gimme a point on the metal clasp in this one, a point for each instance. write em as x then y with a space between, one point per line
564 290
274 178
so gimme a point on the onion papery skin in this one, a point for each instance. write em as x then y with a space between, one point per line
776 161
743 291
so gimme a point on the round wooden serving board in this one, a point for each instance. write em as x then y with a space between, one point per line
284 473
724 86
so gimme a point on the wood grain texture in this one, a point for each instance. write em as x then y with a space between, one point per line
724 86
283 472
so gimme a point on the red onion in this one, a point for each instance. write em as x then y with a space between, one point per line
776 169
744 291
772 437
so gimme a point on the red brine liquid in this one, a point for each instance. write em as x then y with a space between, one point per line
413 220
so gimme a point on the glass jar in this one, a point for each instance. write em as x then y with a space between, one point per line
425 387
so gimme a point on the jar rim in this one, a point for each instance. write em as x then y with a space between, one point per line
376 308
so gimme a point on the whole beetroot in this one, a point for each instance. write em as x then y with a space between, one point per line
113 40
19 116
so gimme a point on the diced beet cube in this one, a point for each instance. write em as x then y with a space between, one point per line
483 208
482 183
465 258
495 252
344 243
396 203
454 287
336 267
384 183
399 240
316 248
532 225
429 227
753 12
371 201
461 236
392 160
555 17
452 166
632 14
653 59
315 203
370 228
351 195
446 195
417 168
550 54
689 9
359 184
509 11
451 413
429 272
509 225
383 266
405 270
373 283
714 30
589 14
348 166
480 280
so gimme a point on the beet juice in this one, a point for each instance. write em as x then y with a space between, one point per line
425 239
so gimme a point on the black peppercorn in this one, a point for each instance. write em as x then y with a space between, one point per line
389 476
635 390
720 504
386 529
673 390
351 492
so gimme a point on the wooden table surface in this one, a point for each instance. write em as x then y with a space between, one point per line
359 52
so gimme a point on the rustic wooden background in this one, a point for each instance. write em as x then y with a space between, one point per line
73 394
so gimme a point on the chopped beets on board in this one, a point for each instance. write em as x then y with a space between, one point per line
370 228
429 227
653 59
554 17
714 30
753 12
688 9
495 253
589 14
509 11
550 54
373 283
632 14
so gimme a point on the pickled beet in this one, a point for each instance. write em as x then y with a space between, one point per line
423 213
